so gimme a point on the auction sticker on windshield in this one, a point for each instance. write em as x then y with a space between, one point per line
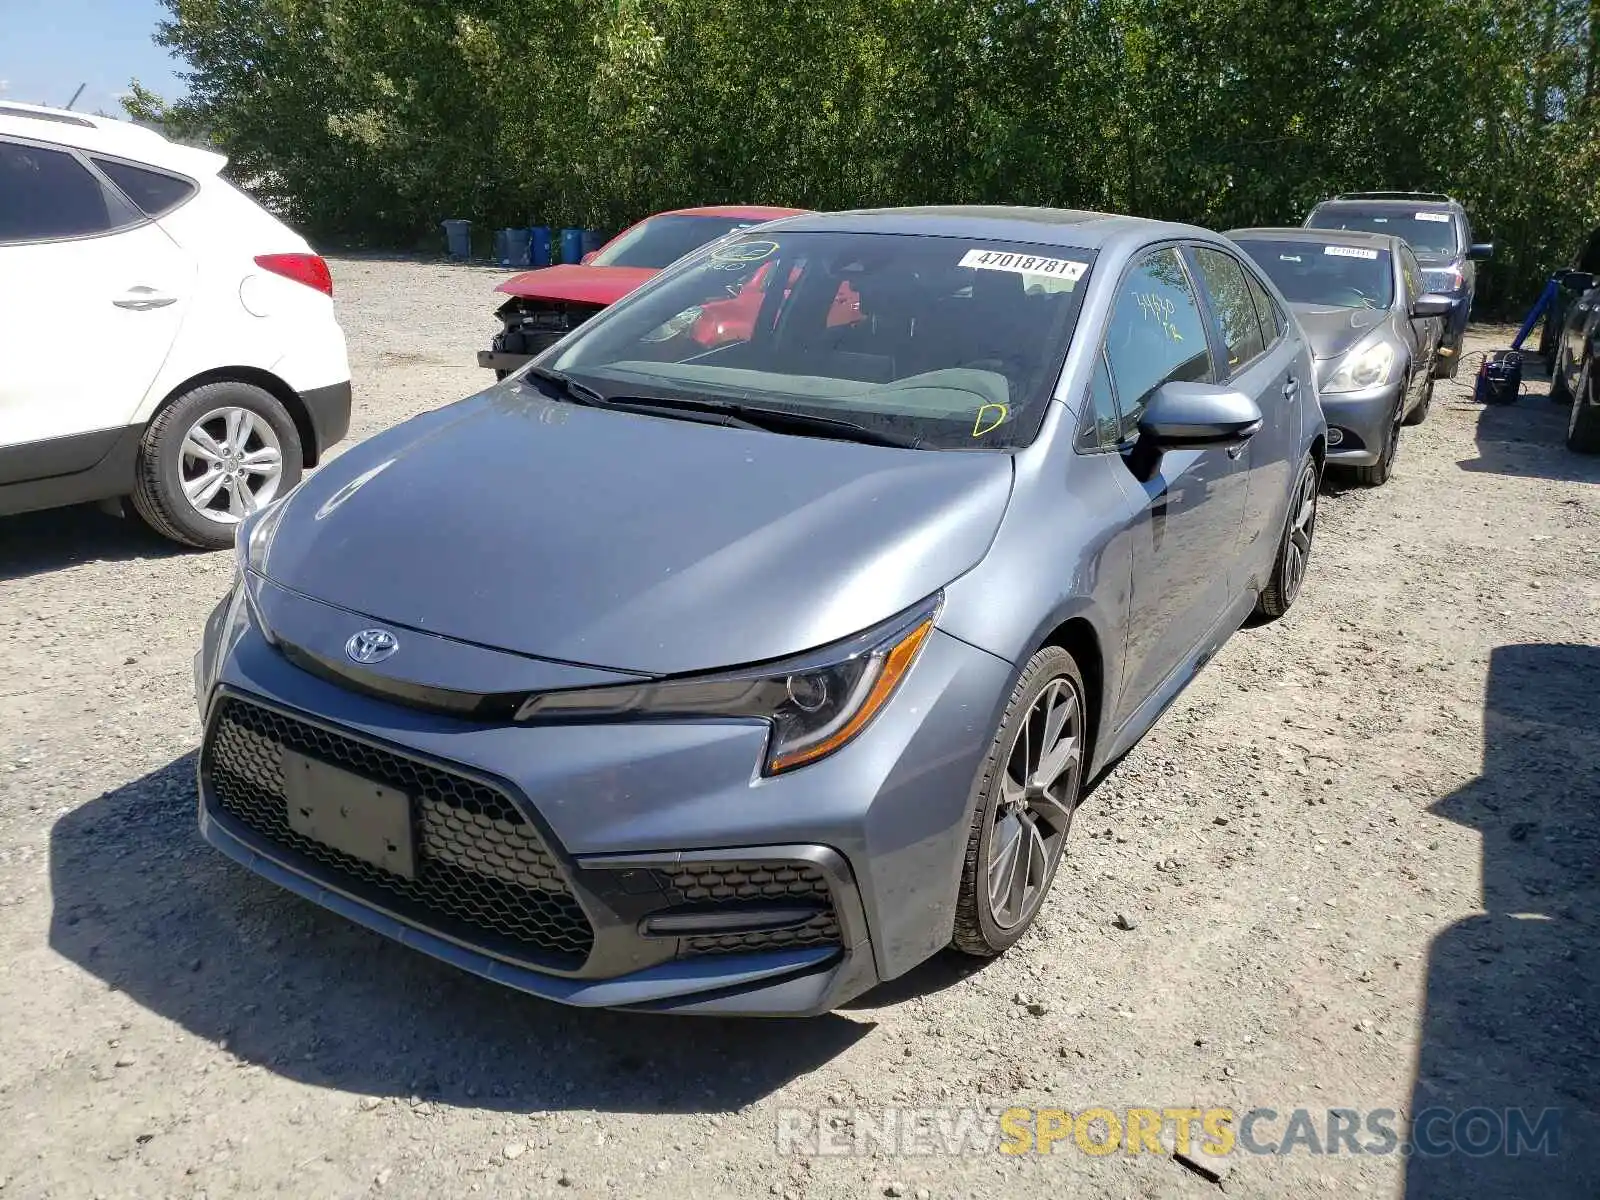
1024 264
1439 217
1350 251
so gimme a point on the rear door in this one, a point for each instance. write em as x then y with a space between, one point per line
1261 362
1185 540
92 293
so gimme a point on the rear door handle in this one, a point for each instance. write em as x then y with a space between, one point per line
143 299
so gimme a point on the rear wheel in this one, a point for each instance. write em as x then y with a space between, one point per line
1583 425
1026 795
1560 389
1294 549
211 458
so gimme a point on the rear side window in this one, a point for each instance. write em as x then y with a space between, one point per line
152 192
1155 335
1230 299
47 194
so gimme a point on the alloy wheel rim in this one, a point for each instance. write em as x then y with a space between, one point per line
1038 790
230 463
1302 527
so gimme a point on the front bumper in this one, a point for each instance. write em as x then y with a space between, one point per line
1359 421
627 809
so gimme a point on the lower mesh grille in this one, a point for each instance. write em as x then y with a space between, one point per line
483 873
750 884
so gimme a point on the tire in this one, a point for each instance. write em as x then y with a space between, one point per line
1294 547
1559 391
1049 683
229 480
1419 414
1380 472
1583 425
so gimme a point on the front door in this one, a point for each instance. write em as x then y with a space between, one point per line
1185 539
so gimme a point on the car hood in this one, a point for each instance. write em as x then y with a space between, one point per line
1333 331
570 281
631 542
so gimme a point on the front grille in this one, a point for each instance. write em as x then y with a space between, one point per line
483 873
750 884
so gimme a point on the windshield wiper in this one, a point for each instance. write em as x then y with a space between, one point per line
568 387
722 412
773 420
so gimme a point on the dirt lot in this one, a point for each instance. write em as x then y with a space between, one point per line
1359 859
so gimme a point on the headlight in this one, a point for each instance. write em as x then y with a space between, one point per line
254 535
816 703
1363 367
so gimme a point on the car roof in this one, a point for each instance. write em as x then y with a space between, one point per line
1337 237
763 212
105 135
1411 203
1065 227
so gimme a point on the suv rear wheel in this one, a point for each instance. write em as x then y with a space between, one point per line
212 457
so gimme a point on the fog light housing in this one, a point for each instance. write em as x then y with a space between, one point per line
1335 436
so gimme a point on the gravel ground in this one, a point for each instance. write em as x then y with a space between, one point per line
1358 860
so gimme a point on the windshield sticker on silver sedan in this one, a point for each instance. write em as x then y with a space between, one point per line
1350 251
1024 264
1442 218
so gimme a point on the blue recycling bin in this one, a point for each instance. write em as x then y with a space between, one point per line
571 245
539 246
593 239
458 238
511 247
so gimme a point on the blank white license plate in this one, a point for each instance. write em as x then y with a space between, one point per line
363 819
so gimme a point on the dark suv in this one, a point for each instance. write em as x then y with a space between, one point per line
1571 346
1438 230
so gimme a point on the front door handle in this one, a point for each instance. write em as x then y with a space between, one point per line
1235 451
1291 388
143 299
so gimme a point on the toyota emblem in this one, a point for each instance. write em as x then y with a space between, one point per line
371 645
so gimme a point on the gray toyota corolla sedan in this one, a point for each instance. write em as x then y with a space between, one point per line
1374 329
757 640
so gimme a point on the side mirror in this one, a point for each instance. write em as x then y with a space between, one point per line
587 258
1481 250
1188 416
1431 304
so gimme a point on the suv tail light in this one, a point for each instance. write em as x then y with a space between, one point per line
308 269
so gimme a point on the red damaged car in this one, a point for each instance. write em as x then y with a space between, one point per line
548 303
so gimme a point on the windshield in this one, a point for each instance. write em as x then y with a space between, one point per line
1429 232
657 241
1315 273
947 343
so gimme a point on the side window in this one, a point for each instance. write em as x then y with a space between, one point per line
1412 273
1273 325
1102 423
152 192
48 194
1155 334
1230 299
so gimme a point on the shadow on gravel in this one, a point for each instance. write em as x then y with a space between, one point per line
1529 438
33 543
144 905
1513 995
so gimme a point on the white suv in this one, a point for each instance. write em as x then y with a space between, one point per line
162 337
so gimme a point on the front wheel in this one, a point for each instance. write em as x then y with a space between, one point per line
1294 549
1380 472
1419 414
1583 425
1025 797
